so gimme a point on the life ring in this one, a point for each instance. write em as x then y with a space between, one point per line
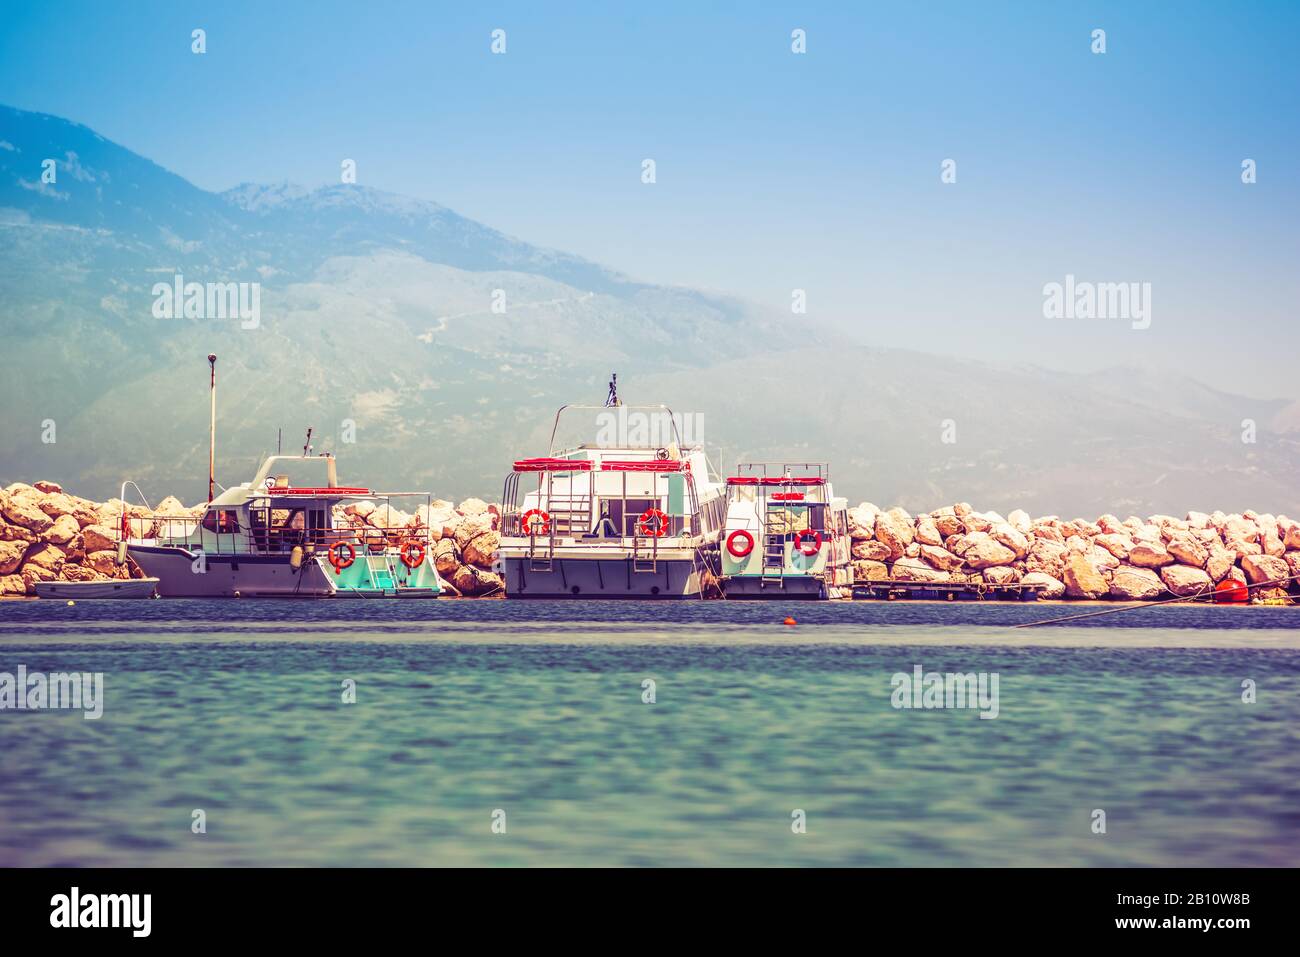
740 543
799 537
412 548
643 523
339 562
527 521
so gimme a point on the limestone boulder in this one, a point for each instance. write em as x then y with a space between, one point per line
1133 583
1007 534
47 486
1047 557
871 551
472 506
862 522
1083 579
866 570
55 504
97 538
949 524
1220 561
1145 554
1260 568
104 562
469 580
1001 575
446 557
1020 521
24 511
895 531
1047 586
63 531
11 556
981 550
916 570
1184 580
481 550
941 558
927 532
1188 549
12 585
45 555
1116 543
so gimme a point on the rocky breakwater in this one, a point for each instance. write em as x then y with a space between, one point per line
1133 559
47 534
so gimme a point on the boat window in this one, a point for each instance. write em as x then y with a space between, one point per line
221 520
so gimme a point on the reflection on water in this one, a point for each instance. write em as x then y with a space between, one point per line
463 708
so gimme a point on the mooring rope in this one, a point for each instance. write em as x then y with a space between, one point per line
1203 593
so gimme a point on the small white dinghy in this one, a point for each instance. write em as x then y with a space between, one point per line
126 588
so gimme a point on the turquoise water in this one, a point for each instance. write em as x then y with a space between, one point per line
464 708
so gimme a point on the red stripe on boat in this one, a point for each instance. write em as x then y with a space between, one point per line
643 465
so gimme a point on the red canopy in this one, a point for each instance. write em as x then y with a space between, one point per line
553 465
643 465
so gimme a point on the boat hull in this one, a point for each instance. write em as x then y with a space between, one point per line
799 587
117 589
601 578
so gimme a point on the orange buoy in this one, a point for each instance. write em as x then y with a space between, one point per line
1231 590
789 621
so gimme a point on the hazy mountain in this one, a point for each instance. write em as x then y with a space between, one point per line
378 309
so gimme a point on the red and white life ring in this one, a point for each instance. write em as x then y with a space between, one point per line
816 543
338 560
527 522
413 552
644 528
740 543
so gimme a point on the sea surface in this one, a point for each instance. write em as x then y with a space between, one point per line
519 733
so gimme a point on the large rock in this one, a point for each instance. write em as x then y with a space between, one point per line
1001 575
445 557
97 538
24 511
948 523
871 551
1183 580
1221 560
469 580
1135 584
104 562
1116 543
1048 557
55 504
173 507
481 550
865 571
927 532
1007 534
1188 549
916 570
472 506
11 556
981 551
1083 579
46 486
472 526
1047 586
941 558
1149 555
1263 568
862 522
63 531
1020 521
49 557
895 531
12 585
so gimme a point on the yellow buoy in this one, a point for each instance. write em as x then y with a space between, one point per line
71 602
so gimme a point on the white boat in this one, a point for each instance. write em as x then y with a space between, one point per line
126 588
787 534
270 537
629 518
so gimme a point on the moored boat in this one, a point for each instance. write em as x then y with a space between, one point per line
124 588
786 535
635 514
270 537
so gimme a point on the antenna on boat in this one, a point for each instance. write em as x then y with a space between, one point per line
612 399
212 427
279 440
306 448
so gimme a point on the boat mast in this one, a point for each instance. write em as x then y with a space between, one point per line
212 428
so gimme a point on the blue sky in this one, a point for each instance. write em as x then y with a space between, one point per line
775 171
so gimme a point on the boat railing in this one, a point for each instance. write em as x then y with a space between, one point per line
227 536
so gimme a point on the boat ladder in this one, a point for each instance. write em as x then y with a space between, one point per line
774 528
645 554
541 561
382 574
